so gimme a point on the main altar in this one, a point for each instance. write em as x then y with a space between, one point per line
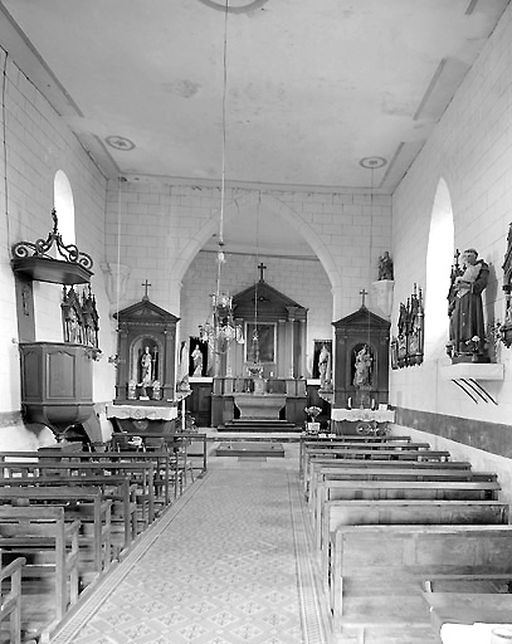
263 378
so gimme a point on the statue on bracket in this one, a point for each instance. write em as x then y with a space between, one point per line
385 266
505 329
407 348
465 308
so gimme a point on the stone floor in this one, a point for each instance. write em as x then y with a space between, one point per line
229 563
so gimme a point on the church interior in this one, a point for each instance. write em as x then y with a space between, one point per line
256 285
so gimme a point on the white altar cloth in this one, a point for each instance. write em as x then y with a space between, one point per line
365 415
141 412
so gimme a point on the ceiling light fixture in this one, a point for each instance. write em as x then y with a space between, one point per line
220 329
244 8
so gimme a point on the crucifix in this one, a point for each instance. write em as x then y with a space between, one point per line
363 292
146 285
261 267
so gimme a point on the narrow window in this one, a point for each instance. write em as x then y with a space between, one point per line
439 260
64 206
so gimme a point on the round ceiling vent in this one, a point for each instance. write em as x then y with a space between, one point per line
120 143
242 6
373 163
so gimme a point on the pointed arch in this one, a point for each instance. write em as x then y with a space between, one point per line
439 259
273 205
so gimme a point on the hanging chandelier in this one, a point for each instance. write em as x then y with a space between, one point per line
220 330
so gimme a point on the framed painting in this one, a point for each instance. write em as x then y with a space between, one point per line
266 341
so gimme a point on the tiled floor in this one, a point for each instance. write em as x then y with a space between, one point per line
228 564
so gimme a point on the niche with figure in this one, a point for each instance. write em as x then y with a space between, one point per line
362 360
146 354
198 358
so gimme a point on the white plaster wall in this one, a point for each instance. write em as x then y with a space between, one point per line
471 148
37 144
156 229
480 460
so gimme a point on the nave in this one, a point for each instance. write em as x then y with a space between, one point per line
348 539
230 562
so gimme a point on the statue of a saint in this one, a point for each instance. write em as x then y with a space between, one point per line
146 365
363 368
197 358
465 307
324 367
385 266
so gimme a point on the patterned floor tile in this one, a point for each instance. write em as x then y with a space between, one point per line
223 571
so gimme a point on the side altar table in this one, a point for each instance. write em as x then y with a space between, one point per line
143 417
356 421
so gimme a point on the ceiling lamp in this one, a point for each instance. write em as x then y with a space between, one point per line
244 7
220 329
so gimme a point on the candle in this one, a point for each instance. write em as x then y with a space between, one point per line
373 403
349 402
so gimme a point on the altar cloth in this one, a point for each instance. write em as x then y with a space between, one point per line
141 412
365 415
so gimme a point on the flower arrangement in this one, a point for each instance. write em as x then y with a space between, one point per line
312 412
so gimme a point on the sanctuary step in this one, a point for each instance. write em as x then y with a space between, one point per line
259 425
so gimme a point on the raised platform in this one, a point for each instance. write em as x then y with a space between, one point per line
249 448
259 425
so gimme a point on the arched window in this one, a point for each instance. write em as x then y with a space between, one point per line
64 206
439 260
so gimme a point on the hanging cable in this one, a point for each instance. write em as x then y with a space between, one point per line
4 145
220 253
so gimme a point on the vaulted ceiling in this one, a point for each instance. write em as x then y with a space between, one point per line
313 87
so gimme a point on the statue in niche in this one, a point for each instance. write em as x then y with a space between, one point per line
183 381
146 364
385 266
324 367
465 307
363 368
197 360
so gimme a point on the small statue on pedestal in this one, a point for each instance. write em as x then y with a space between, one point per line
385 267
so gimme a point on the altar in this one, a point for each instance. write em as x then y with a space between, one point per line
264 406
361 421
143 417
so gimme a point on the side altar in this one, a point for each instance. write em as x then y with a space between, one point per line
146 397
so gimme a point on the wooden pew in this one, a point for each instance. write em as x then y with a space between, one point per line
469 608
115 488
308 442
39 532
163 463
320 474
336 514
178 444
139 473
374 464
401 490
375 572
84 503
10 601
